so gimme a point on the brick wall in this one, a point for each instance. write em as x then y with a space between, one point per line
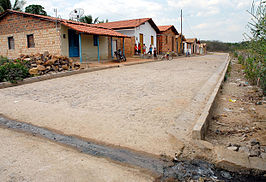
46 37
166 39
179 45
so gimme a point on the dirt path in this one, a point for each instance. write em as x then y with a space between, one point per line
240 123
134 107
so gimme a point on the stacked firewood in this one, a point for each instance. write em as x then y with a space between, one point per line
40 64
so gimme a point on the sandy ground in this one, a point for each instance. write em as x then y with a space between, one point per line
28 158
241 121
133 106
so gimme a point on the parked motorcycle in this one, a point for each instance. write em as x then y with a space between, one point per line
119 56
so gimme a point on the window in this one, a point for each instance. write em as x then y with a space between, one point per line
30 40
166 39
151 40
11 43
95 40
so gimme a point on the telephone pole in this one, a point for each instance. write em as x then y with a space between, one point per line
181 33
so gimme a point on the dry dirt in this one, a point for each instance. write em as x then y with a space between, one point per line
133 106
27 158
241 121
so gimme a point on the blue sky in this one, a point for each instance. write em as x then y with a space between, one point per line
223 20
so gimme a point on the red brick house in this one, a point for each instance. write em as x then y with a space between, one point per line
25 33
166 39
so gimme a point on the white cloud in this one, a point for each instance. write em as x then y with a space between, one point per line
207 19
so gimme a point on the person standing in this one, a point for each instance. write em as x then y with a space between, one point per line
155 52
144 49
136 49
139 48
150 50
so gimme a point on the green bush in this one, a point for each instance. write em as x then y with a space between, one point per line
235 54
3 60
13 72
240 59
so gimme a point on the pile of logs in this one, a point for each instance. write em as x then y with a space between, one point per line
40 64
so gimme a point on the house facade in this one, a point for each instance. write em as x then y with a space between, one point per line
166 39
143 31
191 45
25 33
180 39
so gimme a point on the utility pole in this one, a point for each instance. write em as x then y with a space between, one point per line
181 33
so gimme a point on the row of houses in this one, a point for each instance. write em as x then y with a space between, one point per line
25 33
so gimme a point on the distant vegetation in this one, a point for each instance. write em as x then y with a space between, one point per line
217 46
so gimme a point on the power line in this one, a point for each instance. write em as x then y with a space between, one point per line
186 22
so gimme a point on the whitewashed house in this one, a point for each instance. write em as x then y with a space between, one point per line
143 31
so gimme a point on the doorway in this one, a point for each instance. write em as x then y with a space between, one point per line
73 40
141 42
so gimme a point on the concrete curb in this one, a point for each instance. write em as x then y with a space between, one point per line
67 73
237 161
201 126
225 158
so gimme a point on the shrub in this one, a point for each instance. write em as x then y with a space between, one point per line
13 72
240 59
3 60
235 54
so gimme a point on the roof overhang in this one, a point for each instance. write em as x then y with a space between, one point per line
92 29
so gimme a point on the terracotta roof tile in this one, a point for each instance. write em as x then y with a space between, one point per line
78 26
167 27
125 23
164 28
191 40
93 30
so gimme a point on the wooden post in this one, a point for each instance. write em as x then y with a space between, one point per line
80 49
98 43
123 46
112 47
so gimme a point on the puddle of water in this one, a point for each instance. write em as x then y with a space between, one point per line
181 170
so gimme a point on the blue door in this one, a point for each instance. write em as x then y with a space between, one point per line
73 40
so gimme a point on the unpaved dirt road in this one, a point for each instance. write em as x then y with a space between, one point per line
134 106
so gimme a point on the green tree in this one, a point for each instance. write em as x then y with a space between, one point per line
6 4
102 21
35 9
88 19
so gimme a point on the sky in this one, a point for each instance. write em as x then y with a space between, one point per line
223 20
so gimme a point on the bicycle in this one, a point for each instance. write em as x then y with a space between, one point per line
167 57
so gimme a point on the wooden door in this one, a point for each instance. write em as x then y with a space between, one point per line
73 40
141 42
173 44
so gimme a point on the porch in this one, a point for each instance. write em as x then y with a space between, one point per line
81 43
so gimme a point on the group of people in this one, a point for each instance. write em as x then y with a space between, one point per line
152 51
